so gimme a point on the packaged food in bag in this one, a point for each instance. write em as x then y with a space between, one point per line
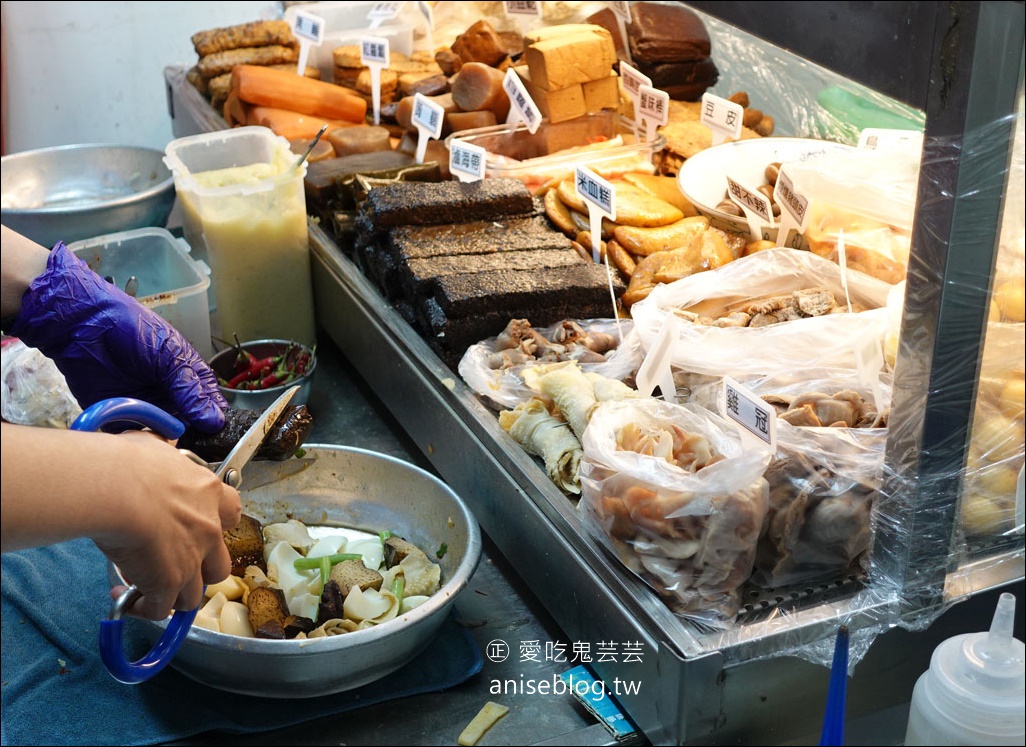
671 491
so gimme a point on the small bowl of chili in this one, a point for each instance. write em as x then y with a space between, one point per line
252 375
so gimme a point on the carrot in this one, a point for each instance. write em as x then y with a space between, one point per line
236 111
282 89
291 125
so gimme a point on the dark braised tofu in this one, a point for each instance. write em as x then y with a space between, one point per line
396 549
245 545
267 604
350 573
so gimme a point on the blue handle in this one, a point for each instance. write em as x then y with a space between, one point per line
128 410
137 412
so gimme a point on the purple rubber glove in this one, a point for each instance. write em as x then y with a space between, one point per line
107 344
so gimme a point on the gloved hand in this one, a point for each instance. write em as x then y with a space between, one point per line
107 344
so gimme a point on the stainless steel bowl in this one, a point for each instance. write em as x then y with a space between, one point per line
355 488
258 399
73 192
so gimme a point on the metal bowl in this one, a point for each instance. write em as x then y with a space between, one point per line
73 192
354 488
258 399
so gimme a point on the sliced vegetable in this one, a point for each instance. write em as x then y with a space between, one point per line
281 89
398 586
324 563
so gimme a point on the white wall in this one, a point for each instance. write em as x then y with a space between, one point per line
93 72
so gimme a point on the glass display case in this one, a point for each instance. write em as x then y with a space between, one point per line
947 525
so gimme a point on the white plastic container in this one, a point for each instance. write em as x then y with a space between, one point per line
346 23
974 692
243 203
171 282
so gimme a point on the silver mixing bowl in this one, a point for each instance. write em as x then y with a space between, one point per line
355 488
73 192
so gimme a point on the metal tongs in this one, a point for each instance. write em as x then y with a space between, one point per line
130 411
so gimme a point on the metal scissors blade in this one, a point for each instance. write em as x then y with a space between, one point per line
230 469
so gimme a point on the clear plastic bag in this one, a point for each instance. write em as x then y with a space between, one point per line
505 388
34 391
686 516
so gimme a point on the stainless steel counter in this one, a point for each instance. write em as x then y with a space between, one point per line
496 606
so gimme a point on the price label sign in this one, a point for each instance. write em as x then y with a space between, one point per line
600 197
523 8
754 204
758 420
309 29
521 106
427 117
374 54
466 161
427 114
382 12
722 116
794 210
633 81
654 108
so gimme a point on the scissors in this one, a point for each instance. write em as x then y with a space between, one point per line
127 410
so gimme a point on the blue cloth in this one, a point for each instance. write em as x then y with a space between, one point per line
53 600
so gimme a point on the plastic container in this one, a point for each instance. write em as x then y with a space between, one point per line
243 204
346 23
973 693
554 149
171 282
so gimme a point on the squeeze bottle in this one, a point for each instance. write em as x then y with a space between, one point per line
974 692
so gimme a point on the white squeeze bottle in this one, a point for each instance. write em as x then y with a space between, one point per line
975 689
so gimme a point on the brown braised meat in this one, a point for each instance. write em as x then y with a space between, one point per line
284 438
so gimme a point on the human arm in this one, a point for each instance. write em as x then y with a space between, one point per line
105 342
154 513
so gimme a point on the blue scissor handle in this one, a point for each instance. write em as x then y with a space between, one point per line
138 412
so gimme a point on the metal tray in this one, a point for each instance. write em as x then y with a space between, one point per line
684 691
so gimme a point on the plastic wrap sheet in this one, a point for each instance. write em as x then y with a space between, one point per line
495 374
671 491
804 99
981 527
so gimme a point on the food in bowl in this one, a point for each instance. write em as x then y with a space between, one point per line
290 580
703 177
252 374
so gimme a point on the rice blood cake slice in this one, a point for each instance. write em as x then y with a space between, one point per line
439 203
408 243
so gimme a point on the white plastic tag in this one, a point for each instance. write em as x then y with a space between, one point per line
632 81
382 12
758 420
622 11
466 161
525 13
374 55
429 18
521 106
654 109
722 116
600 197
656 369
754 204
427 118
842 263
794 210
309 29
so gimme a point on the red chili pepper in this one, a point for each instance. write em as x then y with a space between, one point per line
272 379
